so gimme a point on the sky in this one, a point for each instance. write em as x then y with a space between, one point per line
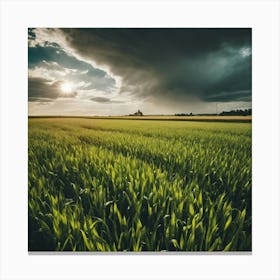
116 71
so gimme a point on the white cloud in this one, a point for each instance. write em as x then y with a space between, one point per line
48 36
48 70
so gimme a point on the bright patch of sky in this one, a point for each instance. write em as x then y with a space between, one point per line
51 65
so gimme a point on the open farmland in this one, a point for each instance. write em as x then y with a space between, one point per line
138 185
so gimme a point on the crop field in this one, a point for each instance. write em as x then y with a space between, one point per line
139 185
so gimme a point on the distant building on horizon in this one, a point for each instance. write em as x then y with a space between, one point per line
138 113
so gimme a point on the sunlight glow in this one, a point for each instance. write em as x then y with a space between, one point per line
66 88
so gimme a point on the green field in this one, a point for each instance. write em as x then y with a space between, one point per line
139 185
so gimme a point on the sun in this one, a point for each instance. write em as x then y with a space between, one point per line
66 88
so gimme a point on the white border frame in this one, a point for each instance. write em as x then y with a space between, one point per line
17 16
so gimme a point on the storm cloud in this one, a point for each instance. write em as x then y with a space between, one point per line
164 70
183 64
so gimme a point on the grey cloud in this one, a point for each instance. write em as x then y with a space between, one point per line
239 95
100 99
169 64
40 89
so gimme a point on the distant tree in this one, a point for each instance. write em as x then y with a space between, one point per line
238 112
246 112
183 114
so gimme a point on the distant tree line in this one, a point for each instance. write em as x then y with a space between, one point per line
246 112
184 114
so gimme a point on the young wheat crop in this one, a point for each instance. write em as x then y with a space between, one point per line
138 185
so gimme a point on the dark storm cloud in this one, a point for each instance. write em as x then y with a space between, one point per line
208 64
43 90
106 100
240 95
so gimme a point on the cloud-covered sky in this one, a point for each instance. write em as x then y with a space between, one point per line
159 71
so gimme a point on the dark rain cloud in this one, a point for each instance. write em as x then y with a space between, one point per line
43 90
212 65
106 100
